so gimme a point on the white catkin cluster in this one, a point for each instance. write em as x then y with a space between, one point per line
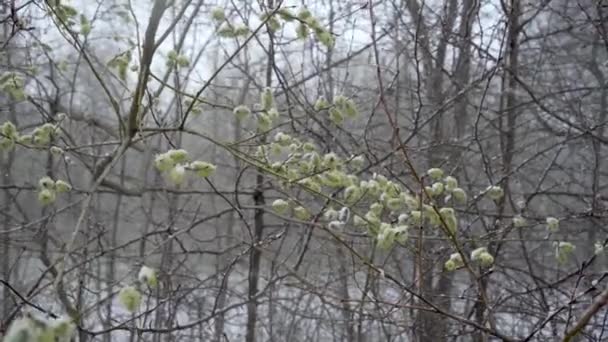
175 163
29 328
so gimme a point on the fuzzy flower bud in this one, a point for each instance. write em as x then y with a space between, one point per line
202 169
330 214
450 183
416 216
163 162
147 275
376 208
177 174
55 150
437 188
459 196
321 104
62 186
264 123
495 192
563 250
448 216
435 173
336 116
352 194
9 130
218 14
241 112
280 206
46 196
178 156
46 183
267 100
301 213
552 224
282 139
129 298
519 221
455 261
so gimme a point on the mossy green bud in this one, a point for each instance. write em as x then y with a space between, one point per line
147 275
280 206
435 173
241 112
129 298
46 196
62 186
301 213
495 192
552 224
450 183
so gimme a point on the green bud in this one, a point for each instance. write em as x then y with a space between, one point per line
57 151
431 215
177 174
411 202
333 178
486 259
456 258
326 38
285 14
46 183
394 204
352 194
178 156
163 162
519 221
267 100
302 31
357 162
62 186
202 169
280 206
304 14
495 192
282 139
226 31
376 208
241 112
308 147
350 109
435 173
416 216
218 14
448 216
301 213
459 196
241 31
46 196
450 183
148 276
336 116
386 236
321 104
331 160
402 233
25 139
264 123
9 130
476 253
450 265
130 298
6 144
552 224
